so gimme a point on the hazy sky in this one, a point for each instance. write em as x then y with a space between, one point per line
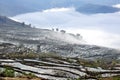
98 29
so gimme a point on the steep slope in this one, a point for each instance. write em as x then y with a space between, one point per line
6 22
43 40
25 33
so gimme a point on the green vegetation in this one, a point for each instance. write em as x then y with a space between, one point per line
22 56
107 78
97 63
94 64
8 72
32 55
74 61
49 55
110 78
30 75
76 79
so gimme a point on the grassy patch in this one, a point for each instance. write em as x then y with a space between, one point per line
30 75
8 72
110 78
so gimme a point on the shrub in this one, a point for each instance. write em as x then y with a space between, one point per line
30 75
8 72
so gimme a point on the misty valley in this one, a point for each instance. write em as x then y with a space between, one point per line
52 54
59 40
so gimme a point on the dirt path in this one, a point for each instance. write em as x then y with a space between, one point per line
17 78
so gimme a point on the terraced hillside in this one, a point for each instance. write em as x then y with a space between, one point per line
62 68
53 54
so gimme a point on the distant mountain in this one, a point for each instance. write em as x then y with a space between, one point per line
102 2
15 7
93 8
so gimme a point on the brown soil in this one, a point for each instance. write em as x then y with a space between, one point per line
17 78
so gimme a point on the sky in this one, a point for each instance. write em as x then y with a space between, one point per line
96 29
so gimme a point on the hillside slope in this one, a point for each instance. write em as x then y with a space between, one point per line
43 40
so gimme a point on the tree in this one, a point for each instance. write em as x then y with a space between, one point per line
8 72
29 25
52 29
63 31
57 29
23 24
78 35
38 48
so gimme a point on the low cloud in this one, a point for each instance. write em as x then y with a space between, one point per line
98 29
98 37
116 6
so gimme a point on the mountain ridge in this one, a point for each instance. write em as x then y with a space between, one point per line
20 7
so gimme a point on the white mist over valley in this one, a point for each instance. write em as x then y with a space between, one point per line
59 39
96 29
